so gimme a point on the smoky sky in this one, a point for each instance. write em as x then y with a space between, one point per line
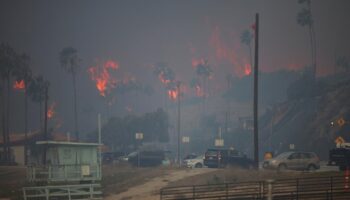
139 33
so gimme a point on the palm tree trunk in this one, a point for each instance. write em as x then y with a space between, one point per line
314 47
75 108
8 118
312 53
3 108
41 115
25 123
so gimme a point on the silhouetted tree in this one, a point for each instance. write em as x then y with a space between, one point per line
23 73
70 62
8 58
304 18
36 90
246 39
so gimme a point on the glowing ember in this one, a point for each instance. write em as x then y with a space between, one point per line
247 69
101 75
51 110
19 85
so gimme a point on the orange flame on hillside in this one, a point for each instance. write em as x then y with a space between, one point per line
230 54
173 94
247 69
51 110
19 85
101 75
163 79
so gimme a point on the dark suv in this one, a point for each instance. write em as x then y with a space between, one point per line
227 157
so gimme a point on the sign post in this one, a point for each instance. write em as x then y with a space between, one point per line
138 137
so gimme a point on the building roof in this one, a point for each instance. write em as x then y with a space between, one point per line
66 143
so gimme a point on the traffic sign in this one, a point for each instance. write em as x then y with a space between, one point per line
219 142
185 139
341 122
139 136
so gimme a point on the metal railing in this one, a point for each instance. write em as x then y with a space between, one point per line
52 173
63 192
335 187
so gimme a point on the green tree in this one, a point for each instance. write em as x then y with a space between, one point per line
305 18
71 63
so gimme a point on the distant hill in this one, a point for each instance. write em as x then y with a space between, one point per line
305 118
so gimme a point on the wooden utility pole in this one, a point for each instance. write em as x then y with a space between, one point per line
256 72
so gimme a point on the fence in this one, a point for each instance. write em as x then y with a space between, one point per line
52 173
317 188
63 192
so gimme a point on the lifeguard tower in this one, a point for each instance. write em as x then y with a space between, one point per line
64 170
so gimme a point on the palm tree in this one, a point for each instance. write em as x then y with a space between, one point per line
7 63
304 18
246 38
23 73
70 62
36 90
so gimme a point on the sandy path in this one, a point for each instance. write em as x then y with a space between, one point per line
150 189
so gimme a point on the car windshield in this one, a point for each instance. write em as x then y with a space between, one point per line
283 155
212 152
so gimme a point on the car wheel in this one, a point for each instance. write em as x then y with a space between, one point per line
198 165
311 168
282 167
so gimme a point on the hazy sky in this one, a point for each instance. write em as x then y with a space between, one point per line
139 33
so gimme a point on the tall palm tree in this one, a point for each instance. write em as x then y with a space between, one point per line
70 62
23 73
304 18
7 66
246 38
36 90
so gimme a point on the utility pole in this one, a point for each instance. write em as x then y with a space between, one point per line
178 122
256 72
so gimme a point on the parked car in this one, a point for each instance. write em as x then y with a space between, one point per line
196 162
110 157
227 157
146 158
340 157
293 160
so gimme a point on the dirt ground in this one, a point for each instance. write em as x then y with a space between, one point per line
124 182
150 189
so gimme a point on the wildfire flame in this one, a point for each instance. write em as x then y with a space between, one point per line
247 69
19 85
230 54
51 110
173 94
101 75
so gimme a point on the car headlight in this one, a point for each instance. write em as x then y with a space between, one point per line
273 161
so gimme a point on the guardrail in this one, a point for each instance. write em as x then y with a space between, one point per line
63 192
335 187
52 173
